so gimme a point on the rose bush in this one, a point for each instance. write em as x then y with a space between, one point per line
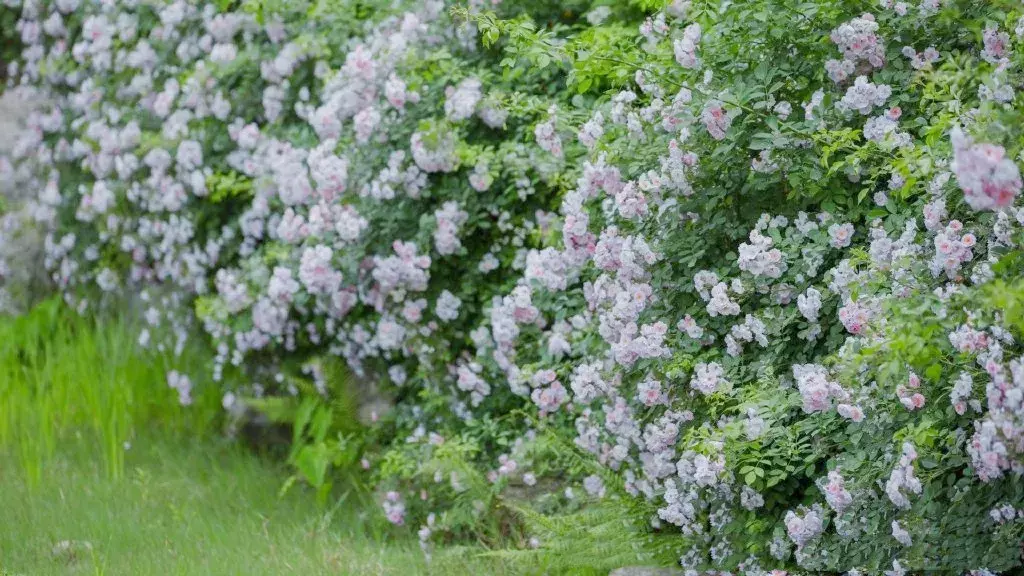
753 268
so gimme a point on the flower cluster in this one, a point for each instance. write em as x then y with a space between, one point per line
987 177
859 43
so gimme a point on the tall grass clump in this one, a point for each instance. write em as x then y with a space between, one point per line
71 378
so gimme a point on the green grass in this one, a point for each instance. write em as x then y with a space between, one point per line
103 473
186 507
62 374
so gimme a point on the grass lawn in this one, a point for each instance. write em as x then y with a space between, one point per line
103 473
184 507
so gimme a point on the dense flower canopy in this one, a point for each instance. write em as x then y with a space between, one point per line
758 261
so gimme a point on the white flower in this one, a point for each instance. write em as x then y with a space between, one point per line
316 272
447 307
708 377
840 235
863 96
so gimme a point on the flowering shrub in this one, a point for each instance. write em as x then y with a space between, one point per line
758 261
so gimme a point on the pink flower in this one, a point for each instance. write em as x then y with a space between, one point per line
987 177
685 48
715 119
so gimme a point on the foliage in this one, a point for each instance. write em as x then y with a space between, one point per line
599 538
748 270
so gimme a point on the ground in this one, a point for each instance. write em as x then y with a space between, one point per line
189 507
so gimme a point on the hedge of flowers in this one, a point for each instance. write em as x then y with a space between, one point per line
755 266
